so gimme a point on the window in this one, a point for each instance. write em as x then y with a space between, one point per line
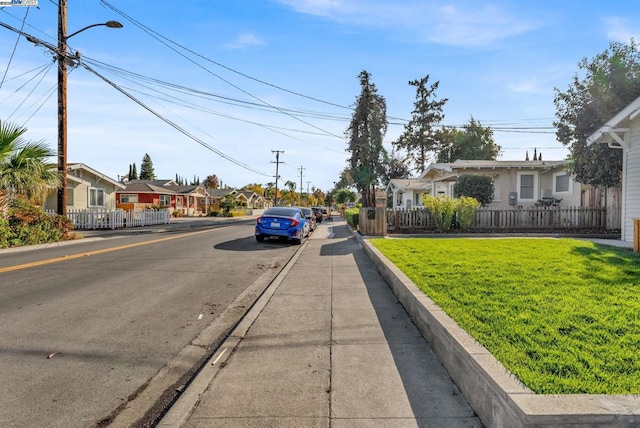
96 197
179 202
128 199
561 182
527 186
165 200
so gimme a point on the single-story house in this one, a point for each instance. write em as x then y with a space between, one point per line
87 189
623 132
516 183
162 194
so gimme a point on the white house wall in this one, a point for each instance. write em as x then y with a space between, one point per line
631 180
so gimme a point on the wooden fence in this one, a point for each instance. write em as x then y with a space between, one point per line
534 218
114 219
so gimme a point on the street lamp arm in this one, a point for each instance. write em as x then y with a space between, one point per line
110 24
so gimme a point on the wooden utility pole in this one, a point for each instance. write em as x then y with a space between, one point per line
62 106
277 162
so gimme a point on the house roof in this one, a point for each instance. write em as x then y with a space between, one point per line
148 186
619 123
77 165
406 184
494 164
221 193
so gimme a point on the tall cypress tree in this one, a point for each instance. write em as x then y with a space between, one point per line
365 132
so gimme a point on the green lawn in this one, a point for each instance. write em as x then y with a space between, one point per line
563 315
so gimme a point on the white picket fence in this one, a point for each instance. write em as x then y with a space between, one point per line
114 219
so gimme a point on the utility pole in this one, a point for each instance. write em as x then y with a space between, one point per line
277 162
301 169
62 106
308 182
64 58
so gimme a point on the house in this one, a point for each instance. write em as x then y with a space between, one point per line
182 200
623 132
516 183
87 189
253 200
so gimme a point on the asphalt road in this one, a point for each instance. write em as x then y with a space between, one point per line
95 330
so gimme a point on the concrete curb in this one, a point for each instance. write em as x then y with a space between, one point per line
498 398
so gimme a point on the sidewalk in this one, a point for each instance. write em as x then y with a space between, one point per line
329 345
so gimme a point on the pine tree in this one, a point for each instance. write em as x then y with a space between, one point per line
146 168
134 172
418 138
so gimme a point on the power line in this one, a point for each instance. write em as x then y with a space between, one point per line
171 123
15 45
158 36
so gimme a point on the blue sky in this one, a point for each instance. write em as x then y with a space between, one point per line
246 77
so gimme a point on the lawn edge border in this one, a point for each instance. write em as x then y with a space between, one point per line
496 396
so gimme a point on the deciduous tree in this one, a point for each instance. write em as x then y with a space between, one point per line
609 82
473 142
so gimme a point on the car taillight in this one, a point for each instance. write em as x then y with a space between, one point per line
259 220
294 222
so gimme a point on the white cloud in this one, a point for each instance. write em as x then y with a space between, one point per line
474 27
619 30
244 40
446 24
524 86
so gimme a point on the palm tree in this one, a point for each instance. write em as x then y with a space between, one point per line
292 191
23 168
211 182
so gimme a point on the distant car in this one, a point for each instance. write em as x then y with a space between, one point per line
325 212
318 213
310 216
282 222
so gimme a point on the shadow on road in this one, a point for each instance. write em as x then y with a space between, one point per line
250 244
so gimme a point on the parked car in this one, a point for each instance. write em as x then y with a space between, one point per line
325 212
282 222
310 216
318 213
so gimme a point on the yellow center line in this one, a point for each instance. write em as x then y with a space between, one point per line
93 253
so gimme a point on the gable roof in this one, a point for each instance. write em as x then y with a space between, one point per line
80 166
148 186
619 123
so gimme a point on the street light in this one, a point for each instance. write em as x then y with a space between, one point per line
62 97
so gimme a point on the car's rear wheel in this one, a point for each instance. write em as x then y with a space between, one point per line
259 238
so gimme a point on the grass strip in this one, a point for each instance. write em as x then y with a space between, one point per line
563 315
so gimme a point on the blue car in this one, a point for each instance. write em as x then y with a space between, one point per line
282 222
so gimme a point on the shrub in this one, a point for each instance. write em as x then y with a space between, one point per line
479 187
442 210
5 233
466 211
352 215
214 213
29 225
